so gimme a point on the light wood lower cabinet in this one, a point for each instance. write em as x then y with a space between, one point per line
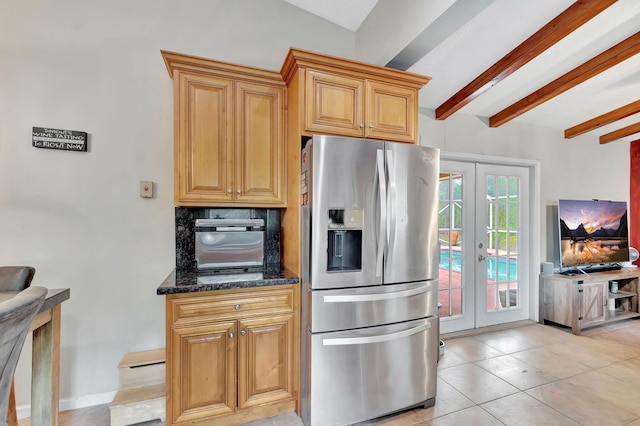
203 358
231 355
265 360
593 309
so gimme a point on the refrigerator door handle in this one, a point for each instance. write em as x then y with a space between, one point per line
375 339
375 297
393 203
382 187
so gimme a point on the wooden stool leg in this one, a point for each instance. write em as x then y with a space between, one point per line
45 372
12 415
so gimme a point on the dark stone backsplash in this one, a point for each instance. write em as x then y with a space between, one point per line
186 236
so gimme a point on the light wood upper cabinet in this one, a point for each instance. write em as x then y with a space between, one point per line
259 172
205 145
391 112
335 104
349 98
229 134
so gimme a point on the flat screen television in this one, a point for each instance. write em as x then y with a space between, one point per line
593 234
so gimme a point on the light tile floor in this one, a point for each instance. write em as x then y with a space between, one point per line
528 375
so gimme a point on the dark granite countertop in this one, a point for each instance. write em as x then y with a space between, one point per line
189 281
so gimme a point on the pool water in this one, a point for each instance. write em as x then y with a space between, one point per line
503 265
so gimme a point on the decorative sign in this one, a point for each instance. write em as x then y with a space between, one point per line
70 140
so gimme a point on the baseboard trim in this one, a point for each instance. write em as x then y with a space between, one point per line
24 411
488 329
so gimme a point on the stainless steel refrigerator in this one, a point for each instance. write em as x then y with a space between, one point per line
370 331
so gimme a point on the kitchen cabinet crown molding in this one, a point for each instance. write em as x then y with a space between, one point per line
194 64
297 58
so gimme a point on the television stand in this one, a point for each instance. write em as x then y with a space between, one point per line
582 301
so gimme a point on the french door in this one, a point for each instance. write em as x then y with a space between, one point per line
484 234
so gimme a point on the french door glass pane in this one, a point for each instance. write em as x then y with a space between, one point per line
501 215
502 242
450 238
502 186
444 216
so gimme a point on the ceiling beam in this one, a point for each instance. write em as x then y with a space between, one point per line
620 133
603 120
558 28
607 59
454 18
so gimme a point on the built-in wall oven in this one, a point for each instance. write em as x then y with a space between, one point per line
229 244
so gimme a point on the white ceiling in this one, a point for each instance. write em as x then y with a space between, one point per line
346 13
478 34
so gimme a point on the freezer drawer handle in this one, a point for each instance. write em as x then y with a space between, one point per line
375 339
377 296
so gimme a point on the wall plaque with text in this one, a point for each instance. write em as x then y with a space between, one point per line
70 140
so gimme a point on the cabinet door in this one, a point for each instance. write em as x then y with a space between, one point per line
593 303
334 104
259 162
559 301
203 363
265 360
204 152
391 112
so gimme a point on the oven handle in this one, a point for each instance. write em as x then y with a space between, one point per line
376 339
377 296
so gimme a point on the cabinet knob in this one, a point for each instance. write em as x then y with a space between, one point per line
243 332
371 125
230 335
239 191
361 125
229 191
237 307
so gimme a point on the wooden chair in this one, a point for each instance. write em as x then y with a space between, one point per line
15 278
16 315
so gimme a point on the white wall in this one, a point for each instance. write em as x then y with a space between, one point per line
77 217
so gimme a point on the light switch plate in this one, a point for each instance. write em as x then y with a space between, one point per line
146 189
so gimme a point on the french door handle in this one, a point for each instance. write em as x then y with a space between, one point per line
382 187
481 258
